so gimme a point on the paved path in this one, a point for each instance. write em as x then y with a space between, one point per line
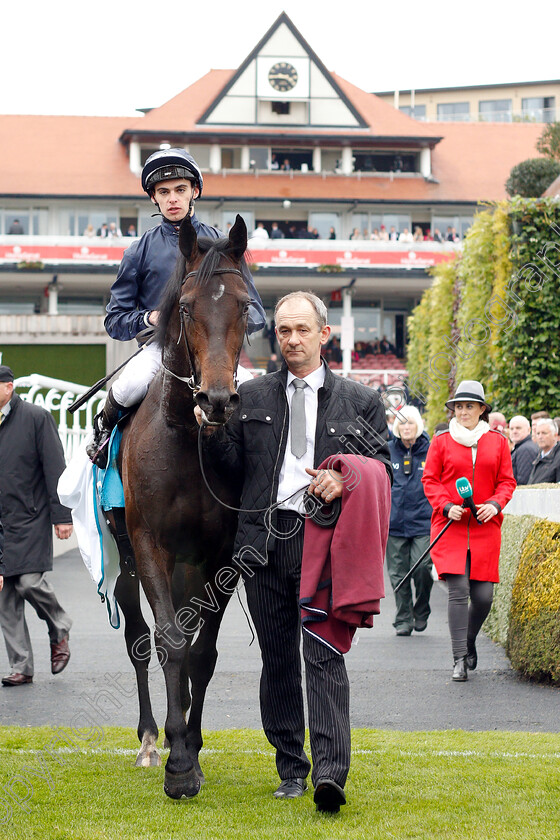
397 683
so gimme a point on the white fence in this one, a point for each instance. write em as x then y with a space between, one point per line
57 396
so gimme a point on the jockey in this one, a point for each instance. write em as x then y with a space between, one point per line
173 181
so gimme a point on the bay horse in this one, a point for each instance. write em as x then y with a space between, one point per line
181 536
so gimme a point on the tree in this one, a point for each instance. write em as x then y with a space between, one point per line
548 143
532 177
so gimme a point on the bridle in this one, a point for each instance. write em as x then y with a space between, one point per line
191 381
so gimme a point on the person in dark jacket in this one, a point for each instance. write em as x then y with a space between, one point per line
546 466
173 181
409 529
275 445
524 450
31 462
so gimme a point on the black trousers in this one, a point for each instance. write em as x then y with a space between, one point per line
272 596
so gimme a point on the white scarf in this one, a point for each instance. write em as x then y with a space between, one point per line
467 437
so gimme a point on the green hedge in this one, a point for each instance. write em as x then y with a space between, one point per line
533 643
514 532
493 313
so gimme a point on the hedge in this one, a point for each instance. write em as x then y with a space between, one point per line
533 642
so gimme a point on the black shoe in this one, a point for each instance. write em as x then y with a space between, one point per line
290 789
471 657
420 625
460 670
328 796
103 425
403 631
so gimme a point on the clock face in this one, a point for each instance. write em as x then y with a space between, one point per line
282 76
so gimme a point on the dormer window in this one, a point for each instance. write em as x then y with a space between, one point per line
280 107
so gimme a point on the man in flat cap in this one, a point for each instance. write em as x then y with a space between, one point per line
31 462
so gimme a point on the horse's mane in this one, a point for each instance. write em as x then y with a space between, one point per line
213 250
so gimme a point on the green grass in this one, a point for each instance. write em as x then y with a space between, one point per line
403 785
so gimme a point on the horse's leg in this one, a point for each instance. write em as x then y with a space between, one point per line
154 566
127 593
200 661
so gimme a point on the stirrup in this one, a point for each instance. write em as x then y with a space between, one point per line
97 448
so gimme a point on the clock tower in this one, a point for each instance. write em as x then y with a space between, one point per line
282 77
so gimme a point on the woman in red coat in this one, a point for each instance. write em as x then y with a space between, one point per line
467 555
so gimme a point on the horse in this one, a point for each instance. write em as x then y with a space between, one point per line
181 536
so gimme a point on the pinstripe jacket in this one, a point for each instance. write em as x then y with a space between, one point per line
350 418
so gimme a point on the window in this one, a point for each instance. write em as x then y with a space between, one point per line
417 113
280 107
298 159
231 157
494 110
259 156
539 108
453 111
365 161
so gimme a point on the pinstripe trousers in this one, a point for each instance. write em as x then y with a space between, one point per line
272 597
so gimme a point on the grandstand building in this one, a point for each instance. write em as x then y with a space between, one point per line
280 139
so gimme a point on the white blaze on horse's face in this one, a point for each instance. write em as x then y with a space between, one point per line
219 292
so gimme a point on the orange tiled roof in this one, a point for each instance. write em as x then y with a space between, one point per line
82 156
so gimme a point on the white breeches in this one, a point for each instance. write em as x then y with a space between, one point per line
132 385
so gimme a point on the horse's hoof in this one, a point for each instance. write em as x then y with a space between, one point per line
179 785
148 759
148 755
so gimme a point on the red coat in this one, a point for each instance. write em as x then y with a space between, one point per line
491 480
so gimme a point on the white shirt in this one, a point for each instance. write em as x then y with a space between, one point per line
293 475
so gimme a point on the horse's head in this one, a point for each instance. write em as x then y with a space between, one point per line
213 308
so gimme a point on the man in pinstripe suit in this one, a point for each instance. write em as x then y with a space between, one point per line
261 443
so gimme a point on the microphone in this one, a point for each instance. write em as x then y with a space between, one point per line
464 490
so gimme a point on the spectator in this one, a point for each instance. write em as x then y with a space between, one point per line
467 555
452 235
497 422
356 234
260 232
131 231
524 450
89 231
274 162
276 233
333 353
316 234
113 231
385 346
270 333
286 165
393 234
16 228
383 235
102 231
535 417
406 236
546 466
437 237
409 529
332 233
557 421
31 462
418 234
272 364
375 235
292 232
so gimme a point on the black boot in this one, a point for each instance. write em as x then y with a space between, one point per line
460 670
103 425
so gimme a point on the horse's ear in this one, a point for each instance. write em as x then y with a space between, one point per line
187 239
238 237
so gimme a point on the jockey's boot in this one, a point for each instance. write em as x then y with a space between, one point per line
103 425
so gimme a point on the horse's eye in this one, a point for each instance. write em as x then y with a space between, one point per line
184 309
246 308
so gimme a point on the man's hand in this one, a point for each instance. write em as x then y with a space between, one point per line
63 532
326 485
206 429
153 317
1 582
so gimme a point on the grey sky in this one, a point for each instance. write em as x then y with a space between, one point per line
70 57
